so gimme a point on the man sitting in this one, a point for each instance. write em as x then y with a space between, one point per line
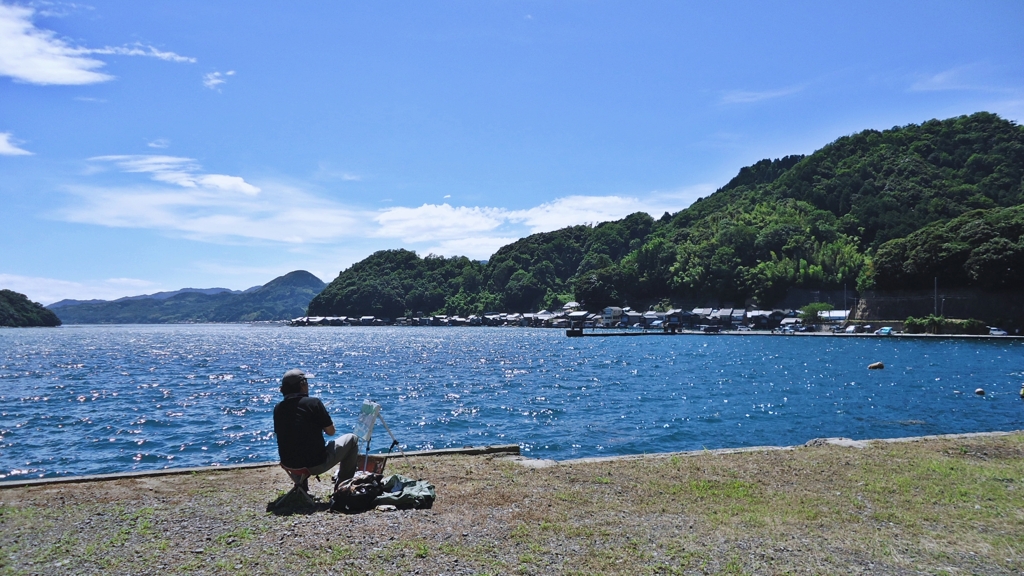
300 421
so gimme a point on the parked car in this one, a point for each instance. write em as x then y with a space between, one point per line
743 328
993 331
884 331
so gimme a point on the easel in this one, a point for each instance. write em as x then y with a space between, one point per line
369 414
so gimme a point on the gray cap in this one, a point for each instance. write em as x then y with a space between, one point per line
292 381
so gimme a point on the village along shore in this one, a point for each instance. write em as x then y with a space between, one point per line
675 321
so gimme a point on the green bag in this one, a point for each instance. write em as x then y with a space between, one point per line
404 493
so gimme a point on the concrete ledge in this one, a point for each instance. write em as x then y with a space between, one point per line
510 449
510 452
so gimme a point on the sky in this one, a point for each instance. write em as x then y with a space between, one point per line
157 145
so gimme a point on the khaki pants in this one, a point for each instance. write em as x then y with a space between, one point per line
344 453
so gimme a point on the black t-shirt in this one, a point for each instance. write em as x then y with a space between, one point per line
299 422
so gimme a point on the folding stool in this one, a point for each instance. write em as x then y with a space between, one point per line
298 476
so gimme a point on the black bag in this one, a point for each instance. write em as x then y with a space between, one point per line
357 493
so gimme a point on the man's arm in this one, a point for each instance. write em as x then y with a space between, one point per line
323 417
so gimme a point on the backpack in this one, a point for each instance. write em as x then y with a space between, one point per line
357 493
404 493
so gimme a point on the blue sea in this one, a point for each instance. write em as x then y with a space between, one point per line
99 399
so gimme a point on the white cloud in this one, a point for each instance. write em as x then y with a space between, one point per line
7 148
145 163
180 171
432 222
159 143
129 282
180 199
464 225
37 56
215 79
50 290
672 201
56 9
208 207
475 248
572 210
747 96
326 172
277 215
1012 109
959 78
941 81
227 183
140 50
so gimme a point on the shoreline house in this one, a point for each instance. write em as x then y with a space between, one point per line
765 319
632 318
611 316
702 315
678 319
580 319
320 321
653 319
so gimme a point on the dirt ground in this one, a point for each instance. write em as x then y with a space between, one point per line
938 506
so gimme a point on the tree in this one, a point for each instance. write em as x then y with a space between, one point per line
809 313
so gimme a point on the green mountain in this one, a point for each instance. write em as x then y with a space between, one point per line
393 283
844 216
282 298
18 311
981 248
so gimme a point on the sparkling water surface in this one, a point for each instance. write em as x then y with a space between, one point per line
99 399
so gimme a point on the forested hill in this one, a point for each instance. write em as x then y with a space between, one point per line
839 217
282 298
18 311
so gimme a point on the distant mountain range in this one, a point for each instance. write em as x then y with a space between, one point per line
282 298
155 295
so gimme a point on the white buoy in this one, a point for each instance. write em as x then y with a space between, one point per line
980 391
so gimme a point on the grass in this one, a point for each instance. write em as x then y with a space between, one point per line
939 506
